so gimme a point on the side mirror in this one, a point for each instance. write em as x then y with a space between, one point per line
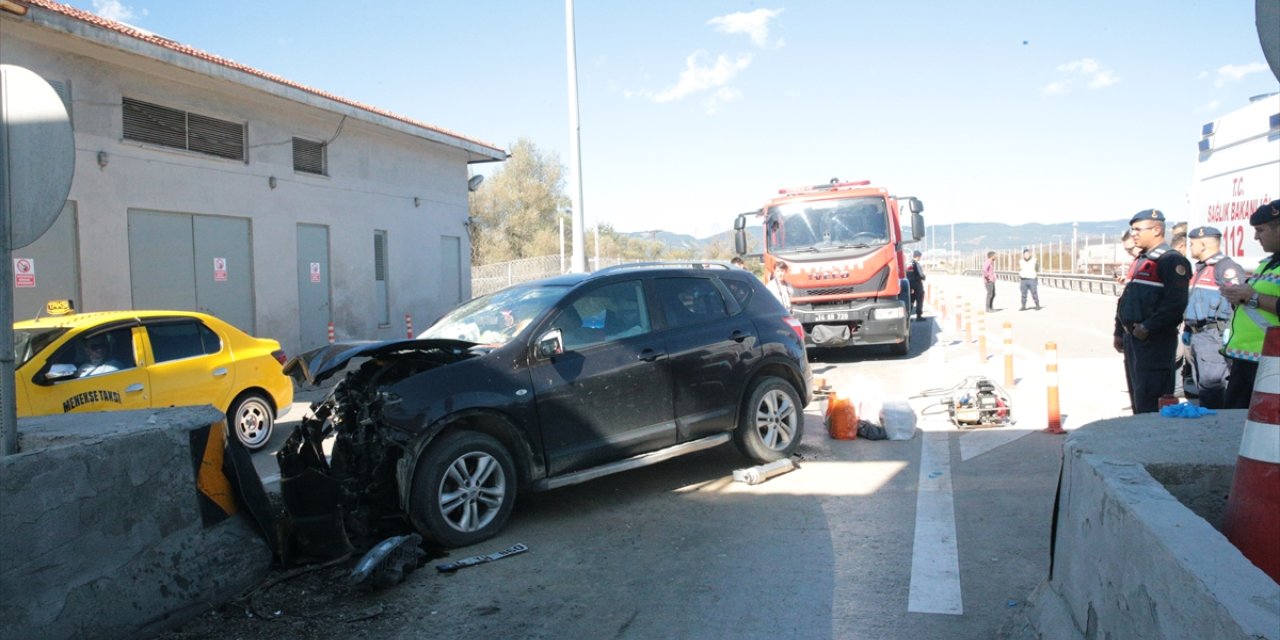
916 205
740 241
917 225
550 344
740 222
60 372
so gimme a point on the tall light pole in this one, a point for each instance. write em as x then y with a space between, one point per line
560 215
1075 230
575 147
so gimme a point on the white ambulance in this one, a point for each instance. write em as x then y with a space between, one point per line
1237 170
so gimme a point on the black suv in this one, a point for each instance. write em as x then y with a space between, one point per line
543 385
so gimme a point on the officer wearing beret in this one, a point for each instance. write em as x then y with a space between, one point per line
1208 313
1256 303
915 277
1150 310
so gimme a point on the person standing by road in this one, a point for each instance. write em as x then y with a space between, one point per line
915 276
1149 312
1257 303
778 285
1027 275
1208 313
989 280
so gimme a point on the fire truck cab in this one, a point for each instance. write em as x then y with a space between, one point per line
843 245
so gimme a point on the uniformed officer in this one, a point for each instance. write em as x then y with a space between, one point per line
915 277
1257 308
1150 310
1208 313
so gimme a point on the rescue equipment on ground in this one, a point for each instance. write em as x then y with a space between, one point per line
976 402
760 473
842 417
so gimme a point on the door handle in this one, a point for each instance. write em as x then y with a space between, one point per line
133 388
650 355
738 335
219 372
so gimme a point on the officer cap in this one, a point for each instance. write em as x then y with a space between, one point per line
1266 213
1147 214
915 254
1204 232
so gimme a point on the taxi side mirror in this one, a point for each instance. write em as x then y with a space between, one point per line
59 372
550 344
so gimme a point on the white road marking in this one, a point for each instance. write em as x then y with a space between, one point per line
935 560
978 442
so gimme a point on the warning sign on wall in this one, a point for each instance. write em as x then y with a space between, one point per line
220 269
24 273
315 272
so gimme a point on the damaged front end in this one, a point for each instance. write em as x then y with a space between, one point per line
338 476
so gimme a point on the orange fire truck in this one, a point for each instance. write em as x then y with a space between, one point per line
843 246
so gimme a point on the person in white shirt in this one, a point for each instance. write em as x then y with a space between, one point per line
97 363
1027 274
778 285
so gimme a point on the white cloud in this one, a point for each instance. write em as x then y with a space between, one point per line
1236 72
1085 70
116 10
753 23
700 74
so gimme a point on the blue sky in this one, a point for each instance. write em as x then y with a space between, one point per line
692 112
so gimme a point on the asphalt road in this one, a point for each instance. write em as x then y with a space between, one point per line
943 535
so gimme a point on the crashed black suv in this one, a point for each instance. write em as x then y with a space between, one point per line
539 386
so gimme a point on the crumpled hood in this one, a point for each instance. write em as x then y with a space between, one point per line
315 366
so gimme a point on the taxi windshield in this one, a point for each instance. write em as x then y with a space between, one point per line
823 225
498 317
28 342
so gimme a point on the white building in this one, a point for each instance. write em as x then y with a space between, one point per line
204 184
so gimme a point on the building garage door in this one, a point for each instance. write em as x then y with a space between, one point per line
192 262
47 269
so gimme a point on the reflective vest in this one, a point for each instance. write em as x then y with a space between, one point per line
1249 325
1206 301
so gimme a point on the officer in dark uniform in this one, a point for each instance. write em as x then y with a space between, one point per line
1208 313
1150 310
915 276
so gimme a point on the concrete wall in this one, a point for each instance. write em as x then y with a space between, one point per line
102 532
1133 561
381 176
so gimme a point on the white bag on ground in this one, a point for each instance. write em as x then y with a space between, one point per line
898 419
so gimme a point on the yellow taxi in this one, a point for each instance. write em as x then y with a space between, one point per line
114 360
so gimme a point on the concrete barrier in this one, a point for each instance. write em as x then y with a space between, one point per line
103 531
1136 551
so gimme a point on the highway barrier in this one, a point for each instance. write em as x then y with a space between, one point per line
1252 519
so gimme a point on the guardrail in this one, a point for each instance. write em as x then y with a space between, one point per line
1105 285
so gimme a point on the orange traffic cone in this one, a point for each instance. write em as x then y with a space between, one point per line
1252 520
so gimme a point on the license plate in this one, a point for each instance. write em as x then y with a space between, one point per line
828 316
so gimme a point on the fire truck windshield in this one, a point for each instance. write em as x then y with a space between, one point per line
826 225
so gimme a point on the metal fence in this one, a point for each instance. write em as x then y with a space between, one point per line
1105 285
492 277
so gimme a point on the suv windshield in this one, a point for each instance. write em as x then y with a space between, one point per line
498 317
28 342
848 223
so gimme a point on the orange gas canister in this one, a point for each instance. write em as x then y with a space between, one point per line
842 418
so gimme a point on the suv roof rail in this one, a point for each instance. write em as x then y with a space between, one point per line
694 264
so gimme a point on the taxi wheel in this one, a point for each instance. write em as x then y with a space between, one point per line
251 418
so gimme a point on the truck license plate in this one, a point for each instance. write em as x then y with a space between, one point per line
828 316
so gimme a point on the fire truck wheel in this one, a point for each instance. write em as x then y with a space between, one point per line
771 421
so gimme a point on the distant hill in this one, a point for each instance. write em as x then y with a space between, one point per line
969 236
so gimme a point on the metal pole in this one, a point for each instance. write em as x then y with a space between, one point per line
8 392
1075 229
560 218
575 147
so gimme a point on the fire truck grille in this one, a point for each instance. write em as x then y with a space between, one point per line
873 284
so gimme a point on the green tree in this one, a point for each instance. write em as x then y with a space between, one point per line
514 214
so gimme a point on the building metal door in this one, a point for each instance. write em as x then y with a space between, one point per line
192 262
314 307
48 269
224 269
451 270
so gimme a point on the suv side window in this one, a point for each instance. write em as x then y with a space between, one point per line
178 340
741 291
611 312
687 301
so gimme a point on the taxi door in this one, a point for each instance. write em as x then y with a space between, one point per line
66 382
190 364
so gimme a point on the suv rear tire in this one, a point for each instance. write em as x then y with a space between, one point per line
463 489
771 422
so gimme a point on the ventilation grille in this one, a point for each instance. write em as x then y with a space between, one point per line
167 127
380 256
308 156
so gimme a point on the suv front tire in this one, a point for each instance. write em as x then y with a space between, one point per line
771 422
463 490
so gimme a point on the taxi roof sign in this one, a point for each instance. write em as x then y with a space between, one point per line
60 307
